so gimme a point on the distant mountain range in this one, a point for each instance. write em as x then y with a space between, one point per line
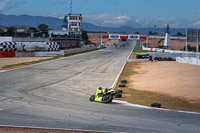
55 23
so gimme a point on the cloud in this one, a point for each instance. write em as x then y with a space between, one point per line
173 22
7 4
60 2
113 20
57 15
197 23
117 20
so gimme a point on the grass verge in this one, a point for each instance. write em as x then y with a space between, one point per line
146 98
30 63
87 51
141 51
44 60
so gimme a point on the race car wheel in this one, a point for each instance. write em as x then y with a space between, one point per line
107 98
92 98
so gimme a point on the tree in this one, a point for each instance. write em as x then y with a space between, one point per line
85 35
33 29
43 27
150 33
191 48
153 33
179 34
11 30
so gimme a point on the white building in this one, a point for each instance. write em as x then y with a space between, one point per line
73 22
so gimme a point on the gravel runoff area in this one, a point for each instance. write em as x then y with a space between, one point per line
15 60
171 78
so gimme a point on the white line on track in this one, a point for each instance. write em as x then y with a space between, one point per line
1 71
146 107
117 78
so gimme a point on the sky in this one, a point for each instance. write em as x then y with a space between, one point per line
113 13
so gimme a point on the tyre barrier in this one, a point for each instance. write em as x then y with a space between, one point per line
118 95
53 46
8 46
163 59
119 91
124 81
150 58
7 54
122 85
157 105
143 56
29 46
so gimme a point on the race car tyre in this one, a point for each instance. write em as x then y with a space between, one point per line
118 95
92 98
107 98
122 85
124 81
157 105
119 91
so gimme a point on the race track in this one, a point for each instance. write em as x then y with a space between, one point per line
56 94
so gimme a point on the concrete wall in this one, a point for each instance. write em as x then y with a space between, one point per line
53 53
5 39
29 39
40 54
172 55
188 60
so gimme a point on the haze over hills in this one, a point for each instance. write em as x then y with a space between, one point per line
55 23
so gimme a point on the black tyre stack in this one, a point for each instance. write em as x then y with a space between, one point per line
121 85
156 105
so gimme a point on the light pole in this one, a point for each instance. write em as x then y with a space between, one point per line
100 34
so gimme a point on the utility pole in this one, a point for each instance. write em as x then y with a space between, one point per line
186 45
197 47
100 33
71 7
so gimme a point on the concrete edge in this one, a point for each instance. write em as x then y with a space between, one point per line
48 128
147 107
2 71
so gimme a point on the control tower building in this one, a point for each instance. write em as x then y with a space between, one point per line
73 22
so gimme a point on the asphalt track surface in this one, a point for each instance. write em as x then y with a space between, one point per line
56 95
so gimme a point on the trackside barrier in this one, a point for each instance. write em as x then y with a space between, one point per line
163 50
29 46
4 54
188 60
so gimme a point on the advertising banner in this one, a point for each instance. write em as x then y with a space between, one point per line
133 37
114 36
